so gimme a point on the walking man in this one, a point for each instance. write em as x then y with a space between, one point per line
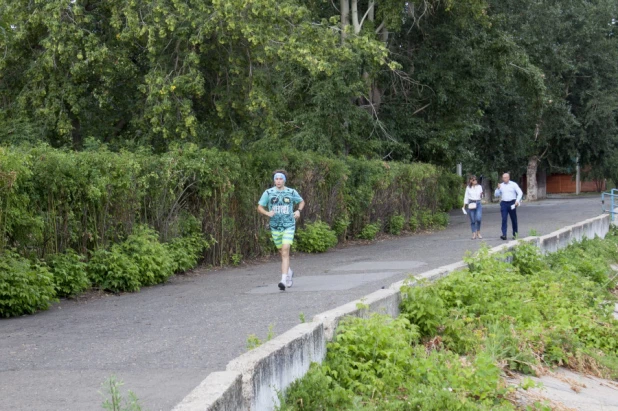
510 198
280 202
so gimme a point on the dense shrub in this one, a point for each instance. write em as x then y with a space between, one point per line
142 260
113 270
25 287
186 252
53 200
369 231
341 225
396 224
376 364
153 260
536 307
316 238
69 272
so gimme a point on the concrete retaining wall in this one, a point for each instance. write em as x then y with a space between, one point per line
253 381
220 391
270 368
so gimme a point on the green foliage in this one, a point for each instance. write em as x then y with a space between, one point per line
534 308
25 287
440 79
53 200
527 258
449 347
439 220
236 259
56 205
141 260
376 363
429 220
316 237
396 224
253 341
69 272
340 227
114 400
282 72
369 231
186 252
153 260
113 270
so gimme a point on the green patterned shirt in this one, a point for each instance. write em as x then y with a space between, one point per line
282 202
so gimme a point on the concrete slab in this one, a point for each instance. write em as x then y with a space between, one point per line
576 391
381 265
325 283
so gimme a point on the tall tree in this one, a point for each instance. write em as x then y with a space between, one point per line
555 34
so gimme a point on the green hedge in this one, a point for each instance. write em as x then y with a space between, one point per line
53 200
123 220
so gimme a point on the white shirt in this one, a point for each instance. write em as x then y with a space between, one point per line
473 193
509 192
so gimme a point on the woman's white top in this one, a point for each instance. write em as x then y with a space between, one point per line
473 193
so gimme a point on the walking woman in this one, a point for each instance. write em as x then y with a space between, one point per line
474 192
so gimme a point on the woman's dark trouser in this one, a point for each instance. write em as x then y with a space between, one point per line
476 216
506 210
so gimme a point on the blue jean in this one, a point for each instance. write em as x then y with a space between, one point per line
505 210
476 216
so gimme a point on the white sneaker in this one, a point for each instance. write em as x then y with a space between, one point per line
289 281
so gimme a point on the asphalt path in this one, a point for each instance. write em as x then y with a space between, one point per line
165 339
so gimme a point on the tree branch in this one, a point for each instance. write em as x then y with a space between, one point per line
380 27
370 8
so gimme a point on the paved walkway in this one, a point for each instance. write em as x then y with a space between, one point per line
164 340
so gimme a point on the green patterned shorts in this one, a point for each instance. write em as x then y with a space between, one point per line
283 237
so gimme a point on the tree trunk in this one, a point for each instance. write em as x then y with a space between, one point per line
76 133
355 20
533 165
344 8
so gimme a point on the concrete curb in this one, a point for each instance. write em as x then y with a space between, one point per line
254 380
220 391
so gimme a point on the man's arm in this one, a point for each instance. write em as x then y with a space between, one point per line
262 203
520 194
265 212
498 192
301 205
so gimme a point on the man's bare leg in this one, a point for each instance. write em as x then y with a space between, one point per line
285 258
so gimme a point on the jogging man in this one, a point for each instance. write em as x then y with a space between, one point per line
280 201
